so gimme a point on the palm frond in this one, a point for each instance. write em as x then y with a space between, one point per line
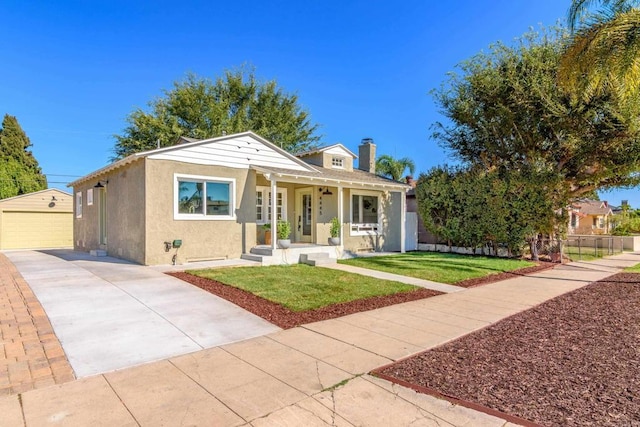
580 12
604 58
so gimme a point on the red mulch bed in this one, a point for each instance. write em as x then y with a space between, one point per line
285 318
572 361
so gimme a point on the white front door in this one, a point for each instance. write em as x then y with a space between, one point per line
304 215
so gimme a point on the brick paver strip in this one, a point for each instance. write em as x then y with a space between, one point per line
30 354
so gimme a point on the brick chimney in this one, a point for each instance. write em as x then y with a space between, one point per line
367 155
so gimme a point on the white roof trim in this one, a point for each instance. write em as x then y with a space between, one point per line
328 147
36 192
321 180
143 154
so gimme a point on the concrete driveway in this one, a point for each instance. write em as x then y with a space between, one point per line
110 314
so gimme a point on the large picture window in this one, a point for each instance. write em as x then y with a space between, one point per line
204 197
263 205
364 214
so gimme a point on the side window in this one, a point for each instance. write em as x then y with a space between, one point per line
79 204
364 214
263 204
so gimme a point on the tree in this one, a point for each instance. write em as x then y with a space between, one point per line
506 113
200 108
19 169
603 54
394 168
471 207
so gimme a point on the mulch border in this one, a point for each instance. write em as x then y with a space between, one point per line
454 400
379 372
286 319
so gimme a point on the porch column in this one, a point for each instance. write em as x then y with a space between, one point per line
272 212
341 215
403 222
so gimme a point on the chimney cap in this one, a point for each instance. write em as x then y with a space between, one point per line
367 141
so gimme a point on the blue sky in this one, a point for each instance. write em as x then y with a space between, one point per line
73 70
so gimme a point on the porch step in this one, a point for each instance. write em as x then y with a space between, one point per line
252 257
262 251
319 258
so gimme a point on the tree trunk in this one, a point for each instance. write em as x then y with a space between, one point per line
533 245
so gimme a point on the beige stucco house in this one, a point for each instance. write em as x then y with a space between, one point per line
589 217
39 220
209 199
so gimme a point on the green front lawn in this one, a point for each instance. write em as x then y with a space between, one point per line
438 267
634 269
586 253
301 287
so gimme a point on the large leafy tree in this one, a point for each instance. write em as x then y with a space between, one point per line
604 53
506 113
201 108
471 207
393 168
19 169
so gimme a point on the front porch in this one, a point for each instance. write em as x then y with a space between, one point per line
296 253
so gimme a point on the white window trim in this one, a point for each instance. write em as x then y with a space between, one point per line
369 229
341 166
204 179
79 204
265 203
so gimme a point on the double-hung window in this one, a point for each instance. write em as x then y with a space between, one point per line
365 213
263 205
79 204
203 197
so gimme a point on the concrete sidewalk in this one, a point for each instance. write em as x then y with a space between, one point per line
313 375
427 284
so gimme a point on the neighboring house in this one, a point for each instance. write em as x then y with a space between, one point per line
424 236
39 220
214 195
589 217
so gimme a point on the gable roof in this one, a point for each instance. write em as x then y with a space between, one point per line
592 207
327 148
35 193
244 149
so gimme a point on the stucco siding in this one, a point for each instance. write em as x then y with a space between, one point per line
201 238
126 210
85 220
124 194
347 160
388 237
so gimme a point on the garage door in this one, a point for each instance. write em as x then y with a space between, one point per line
35 230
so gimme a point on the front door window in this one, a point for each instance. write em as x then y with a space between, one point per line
306 220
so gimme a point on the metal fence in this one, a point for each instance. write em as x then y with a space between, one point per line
578 248
585 248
